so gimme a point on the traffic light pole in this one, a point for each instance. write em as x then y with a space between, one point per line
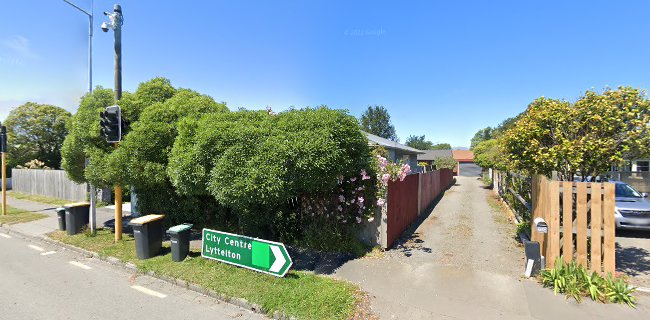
3 147
4 183
118 95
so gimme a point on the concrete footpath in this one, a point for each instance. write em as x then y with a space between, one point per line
463 263
37 228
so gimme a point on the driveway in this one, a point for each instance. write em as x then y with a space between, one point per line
633 256
462 262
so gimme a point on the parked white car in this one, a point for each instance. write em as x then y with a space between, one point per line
632 208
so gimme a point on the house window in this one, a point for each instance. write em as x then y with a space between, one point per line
643 166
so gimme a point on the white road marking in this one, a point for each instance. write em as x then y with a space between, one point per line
4 235
48 253
149 291
37 248
80 265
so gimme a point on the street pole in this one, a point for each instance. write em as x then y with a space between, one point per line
93 195
3 149
90 40
4 183
117 10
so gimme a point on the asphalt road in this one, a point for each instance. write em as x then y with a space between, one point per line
42 281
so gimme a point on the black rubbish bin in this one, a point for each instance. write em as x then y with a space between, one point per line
60 214
76 216
148 234
179 236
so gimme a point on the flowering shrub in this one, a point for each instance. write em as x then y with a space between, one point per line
352 202
34 164
387 171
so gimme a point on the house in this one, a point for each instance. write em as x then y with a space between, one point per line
466 166
430 156
396 151
636 173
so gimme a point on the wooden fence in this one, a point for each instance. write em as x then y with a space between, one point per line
48 183
580 218
407 199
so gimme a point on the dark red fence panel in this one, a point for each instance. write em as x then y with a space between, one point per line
402 198
402 206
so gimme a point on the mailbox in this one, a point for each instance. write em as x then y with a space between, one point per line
541 225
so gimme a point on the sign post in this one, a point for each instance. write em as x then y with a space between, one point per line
246 252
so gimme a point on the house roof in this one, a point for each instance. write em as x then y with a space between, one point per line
463 155
430 155
374 140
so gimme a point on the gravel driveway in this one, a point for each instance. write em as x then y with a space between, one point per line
461 262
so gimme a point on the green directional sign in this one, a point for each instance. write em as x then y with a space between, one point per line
255 254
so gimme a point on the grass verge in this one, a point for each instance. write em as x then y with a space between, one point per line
300 294
19 216
37 198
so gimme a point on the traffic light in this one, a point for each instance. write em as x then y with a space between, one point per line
124 126
111 123
3 139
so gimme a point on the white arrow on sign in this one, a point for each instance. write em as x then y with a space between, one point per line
279 259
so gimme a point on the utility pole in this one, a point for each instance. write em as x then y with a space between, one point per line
3 149
115 23
93 196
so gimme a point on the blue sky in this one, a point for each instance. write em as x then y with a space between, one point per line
442 68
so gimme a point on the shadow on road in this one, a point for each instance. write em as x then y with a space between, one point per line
410 240
632 261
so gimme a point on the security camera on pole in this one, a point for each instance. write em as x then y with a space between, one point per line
113 113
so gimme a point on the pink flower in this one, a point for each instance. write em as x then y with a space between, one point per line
339 208
360 199
341 198
364 175
359 220
353 200
385 178
381 201
353 179
382 162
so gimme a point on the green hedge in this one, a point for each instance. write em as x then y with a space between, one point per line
255 172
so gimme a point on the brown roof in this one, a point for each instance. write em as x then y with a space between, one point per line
463 155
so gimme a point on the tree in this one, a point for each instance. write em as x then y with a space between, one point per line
419 142
480 136
441 146
488 155
445 163
376 120
36 131
598 131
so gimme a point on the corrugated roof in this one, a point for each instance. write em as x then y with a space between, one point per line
430 155
467 155
374 140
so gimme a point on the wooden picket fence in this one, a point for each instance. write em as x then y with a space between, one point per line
576 212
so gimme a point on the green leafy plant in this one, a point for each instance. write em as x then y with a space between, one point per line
523 227
576 282
618 290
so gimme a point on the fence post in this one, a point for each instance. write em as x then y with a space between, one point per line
610 229
567 221
553 221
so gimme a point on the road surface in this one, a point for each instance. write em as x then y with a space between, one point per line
42 281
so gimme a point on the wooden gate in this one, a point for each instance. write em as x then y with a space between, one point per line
580 218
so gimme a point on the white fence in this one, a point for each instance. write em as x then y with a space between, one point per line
48 183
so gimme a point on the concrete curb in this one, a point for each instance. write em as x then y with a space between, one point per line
239 302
